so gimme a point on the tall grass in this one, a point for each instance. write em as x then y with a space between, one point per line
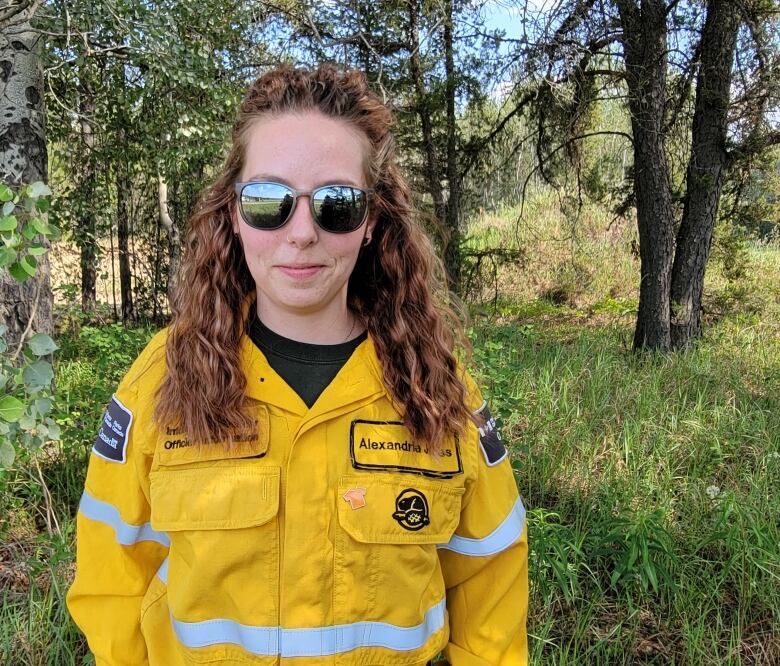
651 480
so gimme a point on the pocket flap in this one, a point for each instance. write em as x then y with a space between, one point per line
383 508
174 448
214 497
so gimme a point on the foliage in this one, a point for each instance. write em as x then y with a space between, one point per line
140 95
25 373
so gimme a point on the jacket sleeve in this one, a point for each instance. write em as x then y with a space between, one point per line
485 564
117 551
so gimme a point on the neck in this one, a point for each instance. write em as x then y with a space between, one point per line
321 328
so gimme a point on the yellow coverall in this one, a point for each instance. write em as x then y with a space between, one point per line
328 536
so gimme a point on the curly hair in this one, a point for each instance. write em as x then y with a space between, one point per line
396 288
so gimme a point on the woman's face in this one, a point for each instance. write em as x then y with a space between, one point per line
300 269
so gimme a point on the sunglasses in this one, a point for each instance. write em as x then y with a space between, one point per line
337 209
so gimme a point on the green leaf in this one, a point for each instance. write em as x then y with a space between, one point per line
38 374
18 273
6 194
8 223
43 406
36 250
42 205
8 208
39 189
41 344
54 429
27 422
11 409
40 226
29 264
7 454
7 256
29 231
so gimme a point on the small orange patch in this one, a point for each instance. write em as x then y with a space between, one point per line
356 497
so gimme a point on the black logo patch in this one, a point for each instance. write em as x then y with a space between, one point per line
411 510
489 438
111 441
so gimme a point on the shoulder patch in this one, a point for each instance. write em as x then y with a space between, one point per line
111 441
489 438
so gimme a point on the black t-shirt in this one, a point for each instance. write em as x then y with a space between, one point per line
306 368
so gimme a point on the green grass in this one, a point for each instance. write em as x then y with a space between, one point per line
650 480
651 488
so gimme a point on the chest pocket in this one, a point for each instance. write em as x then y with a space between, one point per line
397 509
224 556
386 562
214 497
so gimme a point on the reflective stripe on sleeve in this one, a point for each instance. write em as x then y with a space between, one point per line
313 641
162 572
509 531
126 533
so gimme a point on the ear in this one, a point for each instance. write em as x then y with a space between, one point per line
371 223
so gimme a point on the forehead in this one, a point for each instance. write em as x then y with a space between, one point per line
305 150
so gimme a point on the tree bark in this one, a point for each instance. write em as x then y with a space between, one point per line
23 158
172 231
706 169
452 253
644 42
123 238
86 225
423 108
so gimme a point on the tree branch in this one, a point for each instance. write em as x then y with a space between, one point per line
753 146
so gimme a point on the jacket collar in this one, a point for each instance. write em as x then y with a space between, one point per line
360 379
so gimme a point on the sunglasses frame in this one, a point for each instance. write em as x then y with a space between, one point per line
239 188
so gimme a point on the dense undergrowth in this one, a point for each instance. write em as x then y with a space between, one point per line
650 480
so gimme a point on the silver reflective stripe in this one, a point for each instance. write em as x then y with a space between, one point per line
509 531
313 641
162 572
126 533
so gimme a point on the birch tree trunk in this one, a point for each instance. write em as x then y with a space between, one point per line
23 157
172 231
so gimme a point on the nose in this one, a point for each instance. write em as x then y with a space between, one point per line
301 228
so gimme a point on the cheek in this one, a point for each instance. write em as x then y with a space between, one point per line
258 246
348 252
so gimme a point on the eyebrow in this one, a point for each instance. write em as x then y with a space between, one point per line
276 179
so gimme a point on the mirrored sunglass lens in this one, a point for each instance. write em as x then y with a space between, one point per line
266 205
340 208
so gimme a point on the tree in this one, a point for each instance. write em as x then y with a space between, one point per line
579 38
23 158
141 97
431 60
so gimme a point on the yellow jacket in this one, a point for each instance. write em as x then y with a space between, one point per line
330 537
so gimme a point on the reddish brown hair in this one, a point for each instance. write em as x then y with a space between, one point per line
396 287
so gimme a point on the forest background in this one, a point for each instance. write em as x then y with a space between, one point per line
602 179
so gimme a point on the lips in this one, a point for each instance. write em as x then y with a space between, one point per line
300 271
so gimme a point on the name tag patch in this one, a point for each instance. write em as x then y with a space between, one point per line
111 441
489 438
175 448
388 445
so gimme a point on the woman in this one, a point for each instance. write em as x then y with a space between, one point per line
295 471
